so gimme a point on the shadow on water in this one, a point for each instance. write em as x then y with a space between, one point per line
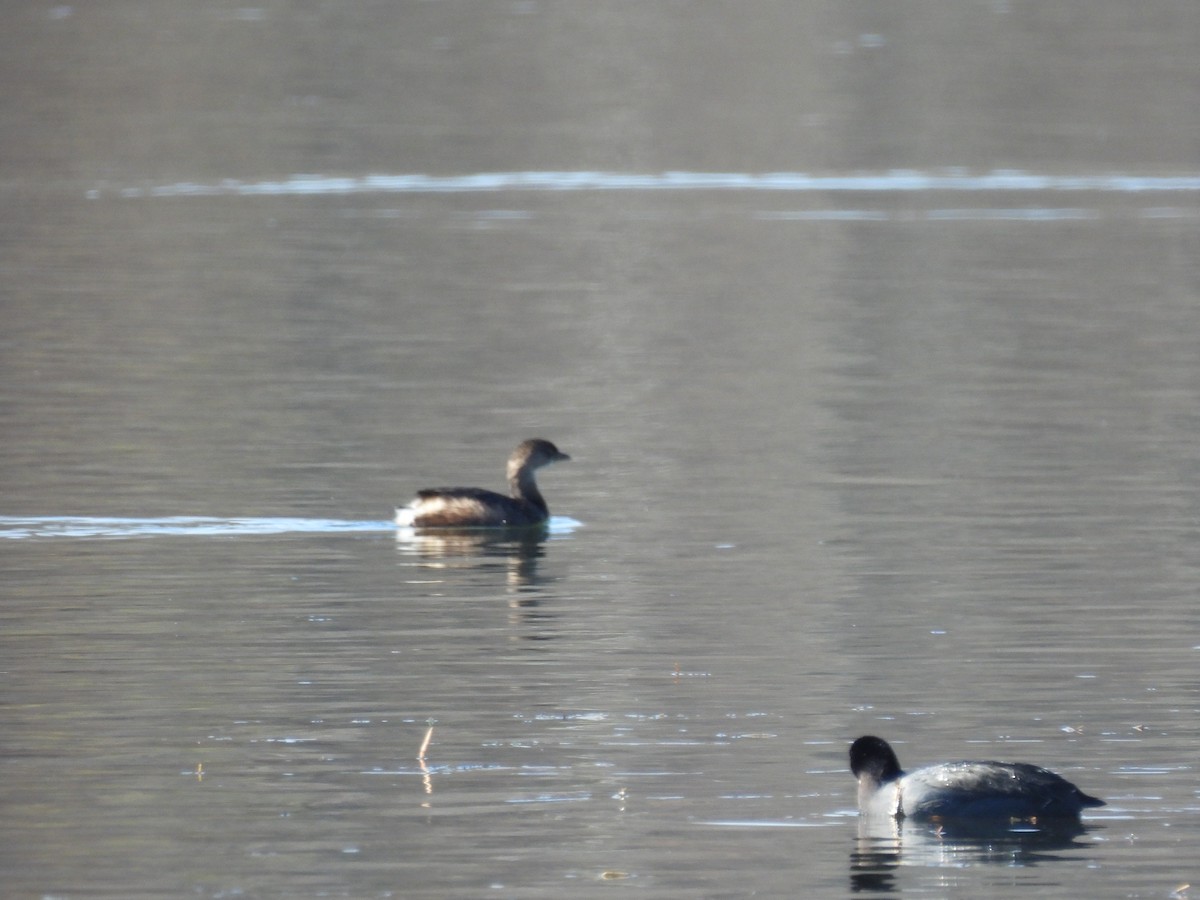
883 846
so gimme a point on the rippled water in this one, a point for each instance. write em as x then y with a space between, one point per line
871 333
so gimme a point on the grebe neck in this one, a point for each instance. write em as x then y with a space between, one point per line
522 486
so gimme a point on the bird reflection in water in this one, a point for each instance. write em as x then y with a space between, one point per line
514 552
884 844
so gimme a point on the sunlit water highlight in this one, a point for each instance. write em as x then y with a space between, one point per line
19 527
906 181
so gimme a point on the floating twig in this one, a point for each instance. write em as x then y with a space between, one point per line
425 744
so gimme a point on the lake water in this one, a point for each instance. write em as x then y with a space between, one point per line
871 329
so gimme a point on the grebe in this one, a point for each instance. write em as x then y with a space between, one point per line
479 508
968 790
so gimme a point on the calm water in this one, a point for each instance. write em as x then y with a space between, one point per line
871 330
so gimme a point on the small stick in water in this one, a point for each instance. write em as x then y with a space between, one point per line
425 743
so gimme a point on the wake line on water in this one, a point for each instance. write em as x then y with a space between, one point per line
903 181
21 528
15 528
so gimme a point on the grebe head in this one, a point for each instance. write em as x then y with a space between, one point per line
533 454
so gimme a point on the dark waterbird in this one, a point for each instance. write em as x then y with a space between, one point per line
479 508
960 790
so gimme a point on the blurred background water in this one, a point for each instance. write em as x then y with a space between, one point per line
871 329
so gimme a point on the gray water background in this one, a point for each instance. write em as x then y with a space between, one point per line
901 441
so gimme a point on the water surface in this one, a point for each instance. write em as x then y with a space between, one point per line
900 439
